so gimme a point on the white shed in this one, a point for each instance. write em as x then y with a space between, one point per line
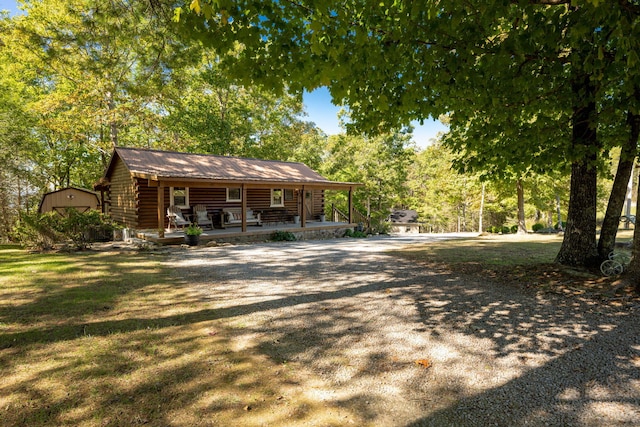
404 221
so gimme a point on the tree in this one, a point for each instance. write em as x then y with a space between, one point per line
444 198
381 163
97 69
211 114
548 64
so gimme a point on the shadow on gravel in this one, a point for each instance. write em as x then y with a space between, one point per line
575 389
592 375
358 317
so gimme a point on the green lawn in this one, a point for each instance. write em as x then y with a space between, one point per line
106 339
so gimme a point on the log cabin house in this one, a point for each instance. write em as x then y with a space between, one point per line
140 184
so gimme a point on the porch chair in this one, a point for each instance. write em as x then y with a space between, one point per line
176 218
202 217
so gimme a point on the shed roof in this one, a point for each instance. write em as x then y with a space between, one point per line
403 216
167 165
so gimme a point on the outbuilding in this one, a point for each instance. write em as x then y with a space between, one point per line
404 221
60 201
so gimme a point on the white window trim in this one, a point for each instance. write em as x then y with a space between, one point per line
234 200
186 198
281 204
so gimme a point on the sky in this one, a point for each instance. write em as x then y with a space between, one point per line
320 109
325 115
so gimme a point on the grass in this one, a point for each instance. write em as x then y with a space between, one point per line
489 250
108 339
497 250
521 260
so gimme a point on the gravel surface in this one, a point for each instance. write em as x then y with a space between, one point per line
359 318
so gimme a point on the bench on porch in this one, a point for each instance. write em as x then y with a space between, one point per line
276 216
233 216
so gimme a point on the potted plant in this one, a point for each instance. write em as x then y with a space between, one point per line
192 234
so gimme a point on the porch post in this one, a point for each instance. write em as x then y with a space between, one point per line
160 210
350 205
243 189
104 208
303 214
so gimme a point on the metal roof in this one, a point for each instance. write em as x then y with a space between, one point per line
166 165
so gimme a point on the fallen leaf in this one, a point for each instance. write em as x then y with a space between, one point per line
424 362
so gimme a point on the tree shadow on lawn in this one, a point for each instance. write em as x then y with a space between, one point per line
136 363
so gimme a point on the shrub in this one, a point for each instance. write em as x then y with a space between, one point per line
505 229
83 228
355 233
42 231
537 227
514 228
283 236
380 227
557 225
38 232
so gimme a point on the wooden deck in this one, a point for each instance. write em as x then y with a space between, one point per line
254 233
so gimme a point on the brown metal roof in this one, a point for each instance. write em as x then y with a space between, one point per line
167 165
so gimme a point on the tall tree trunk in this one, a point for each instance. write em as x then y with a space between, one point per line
522 227
559 214
609 229
632 273
113 125
481 208
579 244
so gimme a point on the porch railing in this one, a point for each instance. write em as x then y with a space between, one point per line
359 217
338 215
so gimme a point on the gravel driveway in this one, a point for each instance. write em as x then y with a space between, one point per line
359 317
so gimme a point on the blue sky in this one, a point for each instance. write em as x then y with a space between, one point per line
325 115
9 5
321 110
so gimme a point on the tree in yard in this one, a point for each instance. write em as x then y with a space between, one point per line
445 199
540 68
209 113
381 163
96 70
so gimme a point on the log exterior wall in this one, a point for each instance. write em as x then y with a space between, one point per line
147 203
123 196
258 199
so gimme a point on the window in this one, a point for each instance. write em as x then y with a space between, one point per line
288 194
179 196
277 199
234 195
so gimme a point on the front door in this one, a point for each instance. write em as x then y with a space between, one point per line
308 203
